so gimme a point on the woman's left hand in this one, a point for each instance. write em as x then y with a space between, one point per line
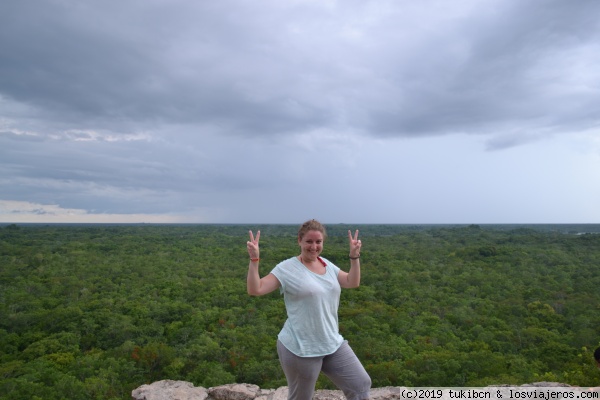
355 244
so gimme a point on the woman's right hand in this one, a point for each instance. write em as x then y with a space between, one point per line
255 285
252 245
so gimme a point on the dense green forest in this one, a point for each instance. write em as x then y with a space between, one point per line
94 311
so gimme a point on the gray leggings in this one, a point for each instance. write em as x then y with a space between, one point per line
342 367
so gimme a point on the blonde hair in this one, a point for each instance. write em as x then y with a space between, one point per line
311 225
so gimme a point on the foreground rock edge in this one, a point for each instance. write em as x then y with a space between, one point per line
181 390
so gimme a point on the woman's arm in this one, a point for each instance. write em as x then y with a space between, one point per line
351 279
254 284
258 286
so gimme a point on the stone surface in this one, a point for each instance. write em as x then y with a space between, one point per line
179 390
169 390
235 391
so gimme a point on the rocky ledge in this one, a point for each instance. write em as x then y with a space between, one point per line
180 390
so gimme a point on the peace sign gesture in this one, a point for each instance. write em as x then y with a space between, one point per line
252 245
355 245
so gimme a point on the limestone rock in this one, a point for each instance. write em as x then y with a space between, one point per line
385 393
179 390
235 391
169 390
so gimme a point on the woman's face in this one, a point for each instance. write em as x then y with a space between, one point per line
311 245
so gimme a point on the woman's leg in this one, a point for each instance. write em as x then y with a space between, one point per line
301 373
347 373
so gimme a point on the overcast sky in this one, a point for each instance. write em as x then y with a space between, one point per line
278 111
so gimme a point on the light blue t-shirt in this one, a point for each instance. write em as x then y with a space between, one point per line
312 302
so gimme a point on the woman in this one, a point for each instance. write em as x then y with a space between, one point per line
309 341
